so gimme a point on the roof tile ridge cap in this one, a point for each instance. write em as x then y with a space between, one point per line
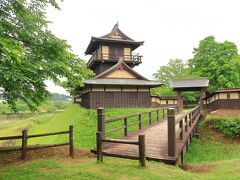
201 78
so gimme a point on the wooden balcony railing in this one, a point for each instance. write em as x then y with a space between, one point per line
109 57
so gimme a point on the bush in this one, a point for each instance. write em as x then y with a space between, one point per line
230 126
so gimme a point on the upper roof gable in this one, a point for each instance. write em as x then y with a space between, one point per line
116 33
115 36
120 70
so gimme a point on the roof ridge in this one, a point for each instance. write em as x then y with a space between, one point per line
117 30
190 78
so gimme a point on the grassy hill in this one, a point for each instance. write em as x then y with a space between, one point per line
84 121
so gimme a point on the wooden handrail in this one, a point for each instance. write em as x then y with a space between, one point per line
152 114
140 143
120 141
134 57
110 120
48 134
10 137
185 122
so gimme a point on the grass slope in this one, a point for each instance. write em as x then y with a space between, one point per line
212 145
84 121
113 168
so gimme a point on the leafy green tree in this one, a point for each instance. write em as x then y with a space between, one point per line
163 91
219 62
31 54
175 68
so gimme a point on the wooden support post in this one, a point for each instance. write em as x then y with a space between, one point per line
190 120
150 118
182 130
171 132
186 124
71 142
99 147
157 115
163 113
142 151
125 126
192 117
101 121
24 144
140 121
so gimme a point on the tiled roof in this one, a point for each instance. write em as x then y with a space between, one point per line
131 82
190 83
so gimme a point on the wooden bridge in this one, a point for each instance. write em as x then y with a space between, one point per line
165 137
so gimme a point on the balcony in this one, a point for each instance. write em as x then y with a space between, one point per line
132 59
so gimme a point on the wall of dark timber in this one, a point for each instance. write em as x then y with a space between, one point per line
94 100
222 103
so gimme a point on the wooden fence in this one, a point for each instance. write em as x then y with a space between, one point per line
181 128
24 137
153 115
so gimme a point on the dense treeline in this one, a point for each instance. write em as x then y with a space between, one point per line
219 62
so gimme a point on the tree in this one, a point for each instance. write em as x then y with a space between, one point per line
31 54
219 62
175 68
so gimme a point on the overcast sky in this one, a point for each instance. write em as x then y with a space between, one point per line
170 28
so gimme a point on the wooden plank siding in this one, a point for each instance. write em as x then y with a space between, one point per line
95 99
222 104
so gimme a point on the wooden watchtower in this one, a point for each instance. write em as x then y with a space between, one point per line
116 84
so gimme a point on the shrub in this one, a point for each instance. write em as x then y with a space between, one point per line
230 126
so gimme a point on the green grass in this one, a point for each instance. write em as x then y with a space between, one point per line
212 146
202 151
114 168
84 121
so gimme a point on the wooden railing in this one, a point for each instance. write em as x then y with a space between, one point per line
107 56
24 137
186 124
153 115
140 143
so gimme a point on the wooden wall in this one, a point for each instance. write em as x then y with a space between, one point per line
225 100
158 102
96 99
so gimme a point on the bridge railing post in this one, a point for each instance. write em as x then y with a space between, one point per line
140 121
157 115
186 124
171 112
142 150
99 147
101 121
